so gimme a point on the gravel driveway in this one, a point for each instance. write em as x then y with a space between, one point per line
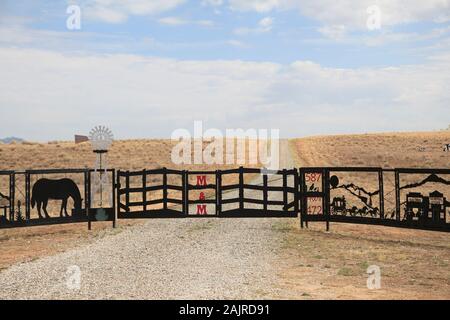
161 259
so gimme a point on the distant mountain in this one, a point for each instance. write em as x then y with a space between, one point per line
11 139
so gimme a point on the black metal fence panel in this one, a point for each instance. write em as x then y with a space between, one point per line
282 183
404 197
53 196
146 194
136 199
361 195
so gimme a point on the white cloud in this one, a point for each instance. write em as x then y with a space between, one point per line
117 11
176 21
254 5
264 25
52 95
439 36
107 14
237 43
205 23
333 32
172 21
214 3
411 37
64 41
352 13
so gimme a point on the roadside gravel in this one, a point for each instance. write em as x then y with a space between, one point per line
162 259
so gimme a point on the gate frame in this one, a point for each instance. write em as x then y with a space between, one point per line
241 186
299 204
165 212
216 187
304 195
12 193
382 221
28 222
217 201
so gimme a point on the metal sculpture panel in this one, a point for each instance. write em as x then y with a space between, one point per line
357 195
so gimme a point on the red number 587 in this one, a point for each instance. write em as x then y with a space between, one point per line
313 177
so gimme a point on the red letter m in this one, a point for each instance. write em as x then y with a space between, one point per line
201 180
201 209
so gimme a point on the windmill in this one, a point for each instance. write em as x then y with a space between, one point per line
101 139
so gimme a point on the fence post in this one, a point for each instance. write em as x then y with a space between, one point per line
187 192
127 194
89 194
27 196
86 197
301 183
165 188
285 193
12 194
144 191
397 195
326 198
119 196
296 195
381 194
114 197
241 188
218 192
86 190
265 192
184 193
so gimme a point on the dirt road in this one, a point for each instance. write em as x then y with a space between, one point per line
162 259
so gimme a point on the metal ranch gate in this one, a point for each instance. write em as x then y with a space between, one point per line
407 198
150 196
404 197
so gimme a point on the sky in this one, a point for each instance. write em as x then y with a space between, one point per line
146 68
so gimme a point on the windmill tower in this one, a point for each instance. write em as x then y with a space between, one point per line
101 139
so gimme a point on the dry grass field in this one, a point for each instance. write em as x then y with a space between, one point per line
386 150
316 264
332 265
124 155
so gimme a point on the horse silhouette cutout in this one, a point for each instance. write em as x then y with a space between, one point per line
63 189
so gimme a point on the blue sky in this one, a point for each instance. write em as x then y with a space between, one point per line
305 67
196 30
